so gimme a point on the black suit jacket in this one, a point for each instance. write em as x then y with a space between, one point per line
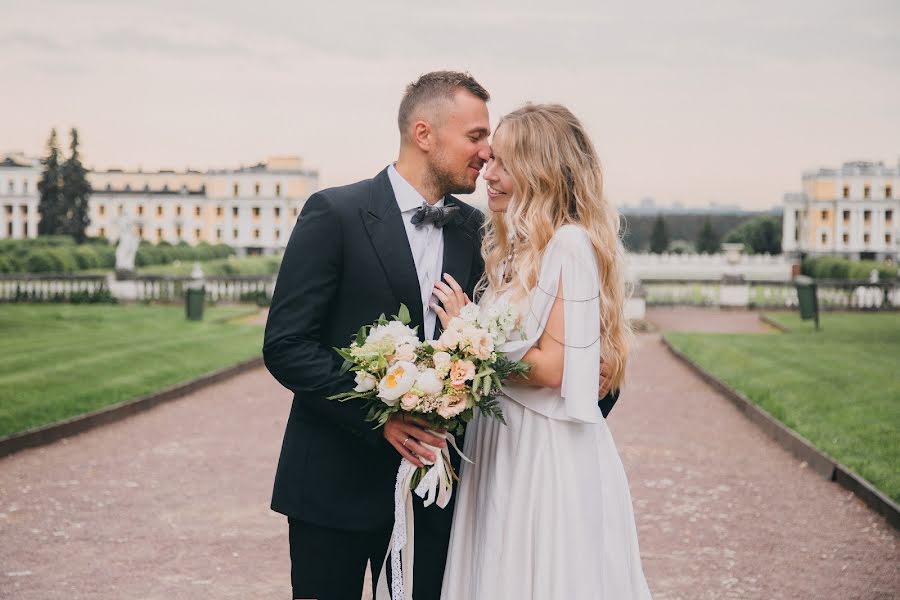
347 262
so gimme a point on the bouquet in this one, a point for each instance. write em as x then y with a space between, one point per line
443 382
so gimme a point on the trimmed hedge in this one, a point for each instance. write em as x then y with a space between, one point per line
60 254
832 267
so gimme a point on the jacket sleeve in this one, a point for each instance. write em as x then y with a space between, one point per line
307 285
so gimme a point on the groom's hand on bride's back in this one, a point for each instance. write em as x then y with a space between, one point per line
407 434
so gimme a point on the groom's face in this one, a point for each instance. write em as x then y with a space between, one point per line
462 144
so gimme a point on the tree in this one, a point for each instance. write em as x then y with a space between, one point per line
50 206
761 235
659 238
76 192
707 239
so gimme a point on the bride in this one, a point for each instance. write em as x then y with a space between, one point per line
545 512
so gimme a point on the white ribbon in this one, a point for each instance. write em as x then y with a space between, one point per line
436 486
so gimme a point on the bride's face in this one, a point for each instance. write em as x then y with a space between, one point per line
499 181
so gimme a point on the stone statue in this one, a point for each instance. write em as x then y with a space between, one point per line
126 249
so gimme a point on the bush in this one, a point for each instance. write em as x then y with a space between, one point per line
86 257
833 267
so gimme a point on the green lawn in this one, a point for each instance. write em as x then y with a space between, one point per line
61 360
839 388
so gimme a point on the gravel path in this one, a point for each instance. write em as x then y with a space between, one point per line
173 504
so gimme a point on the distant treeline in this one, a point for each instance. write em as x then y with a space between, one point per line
684 227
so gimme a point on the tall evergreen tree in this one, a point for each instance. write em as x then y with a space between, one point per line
659 237
50 206
76 192
707 239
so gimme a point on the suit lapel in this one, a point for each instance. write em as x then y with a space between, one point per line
384 224
459 245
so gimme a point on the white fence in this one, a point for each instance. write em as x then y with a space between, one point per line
707 267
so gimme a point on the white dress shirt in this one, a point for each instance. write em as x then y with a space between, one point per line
426 243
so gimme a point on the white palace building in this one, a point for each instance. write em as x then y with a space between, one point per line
853 212
252 209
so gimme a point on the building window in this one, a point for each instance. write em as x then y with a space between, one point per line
101 209
824 215
866 238
256 189
867 192
141 232
178 233
846 238
846 191
197 233
11 186
846 215
277 211
277 234
277 189
234 234
159 210
867 216
25 229
25 187
256 234
256 212
9 209
9 229
102 232
295 212
165 187
796 234
888 192
140 209
159 233
887 239
888 216
235 190
824 238
184 189
108 187
127 187
146 188
197 211
120 209
218 234
234 211
23 208
178 210
218 211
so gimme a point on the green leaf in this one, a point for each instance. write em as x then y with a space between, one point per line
361 335
403 316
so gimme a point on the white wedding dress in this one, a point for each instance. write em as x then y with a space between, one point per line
545 513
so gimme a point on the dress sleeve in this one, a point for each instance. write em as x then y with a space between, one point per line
570 257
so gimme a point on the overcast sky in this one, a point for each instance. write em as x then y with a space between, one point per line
692 101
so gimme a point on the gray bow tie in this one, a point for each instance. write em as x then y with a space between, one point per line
437 215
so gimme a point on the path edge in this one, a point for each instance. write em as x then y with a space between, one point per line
797 445
47 434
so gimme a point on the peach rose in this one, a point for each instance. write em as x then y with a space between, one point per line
461 371
452 405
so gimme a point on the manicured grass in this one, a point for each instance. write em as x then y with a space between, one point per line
58 361
839 388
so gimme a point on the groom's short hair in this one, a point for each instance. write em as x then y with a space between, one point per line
432 87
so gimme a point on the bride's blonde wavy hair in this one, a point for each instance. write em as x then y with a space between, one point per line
557 181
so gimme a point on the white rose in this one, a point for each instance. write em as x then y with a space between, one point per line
449 339
398 380
441 359
364 382
406 352
410 400
429 382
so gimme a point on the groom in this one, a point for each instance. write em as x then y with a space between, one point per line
357 252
